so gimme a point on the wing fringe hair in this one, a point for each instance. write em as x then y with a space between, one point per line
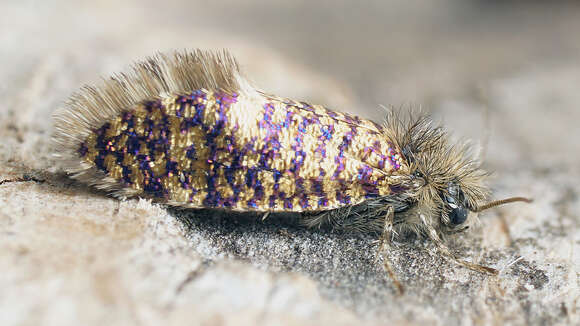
179 72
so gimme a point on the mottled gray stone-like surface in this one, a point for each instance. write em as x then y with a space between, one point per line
504 75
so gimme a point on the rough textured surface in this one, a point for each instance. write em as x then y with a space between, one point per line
503 74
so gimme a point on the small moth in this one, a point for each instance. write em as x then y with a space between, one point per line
186 129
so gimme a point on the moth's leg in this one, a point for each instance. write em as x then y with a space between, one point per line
334 218
385 244
432 234
386 236
314 220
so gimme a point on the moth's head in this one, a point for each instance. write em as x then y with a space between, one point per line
458 202
449 180
449 196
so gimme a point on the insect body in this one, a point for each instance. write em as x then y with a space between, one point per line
187 130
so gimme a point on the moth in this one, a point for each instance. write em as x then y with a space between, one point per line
186 129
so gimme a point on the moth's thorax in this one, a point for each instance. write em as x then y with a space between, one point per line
245 152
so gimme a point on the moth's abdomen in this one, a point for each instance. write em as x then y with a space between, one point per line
219 150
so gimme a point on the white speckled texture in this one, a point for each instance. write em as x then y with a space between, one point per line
506 75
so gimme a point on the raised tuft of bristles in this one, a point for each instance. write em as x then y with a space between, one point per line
175 73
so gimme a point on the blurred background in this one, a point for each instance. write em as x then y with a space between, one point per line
505 74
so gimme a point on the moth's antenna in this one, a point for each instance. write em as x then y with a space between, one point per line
502 202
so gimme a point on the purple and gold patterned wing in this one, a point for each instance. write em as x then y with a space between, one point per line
216 150
189 131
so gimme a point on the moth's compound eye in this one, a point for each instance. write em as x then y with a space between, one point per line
458 215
